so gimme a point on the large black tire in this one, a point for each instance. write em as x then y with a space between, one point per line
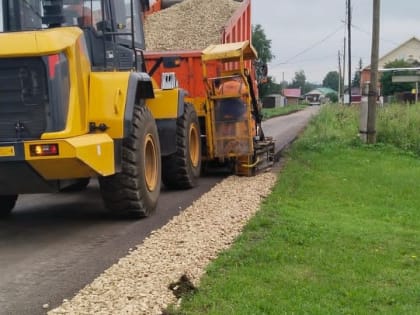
181 169
135 190
7 203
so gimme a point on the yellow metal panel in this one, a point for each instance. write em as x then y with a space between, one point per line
108 94
7 151
199 104
88 154
62 169
97 151
41 42
229 51
67 40
79 70
165 104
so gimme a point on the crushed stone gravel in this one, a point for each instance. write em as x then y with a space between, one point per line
191 24
147 279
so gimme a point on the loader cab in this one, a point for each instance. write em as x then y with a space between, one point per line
113 29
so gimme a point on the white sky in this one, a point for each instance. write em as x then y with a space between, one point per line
317 26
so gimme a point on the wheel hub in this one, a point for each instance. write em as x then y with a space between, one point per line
151 164
194 145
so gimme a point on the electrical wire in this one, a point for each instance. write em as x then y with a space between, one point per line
326 57
310 47
370 34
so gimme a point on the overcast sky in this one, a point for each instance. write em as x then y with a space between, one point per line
307 34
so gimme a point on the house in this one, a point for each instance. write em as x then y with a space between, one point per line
318 96
292 96
408 51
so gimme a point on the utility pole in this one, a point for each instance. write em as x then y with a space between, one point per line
343 80
349 46
373 88
339 76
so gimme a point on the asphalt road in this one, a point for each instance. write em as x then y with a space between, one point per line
55 244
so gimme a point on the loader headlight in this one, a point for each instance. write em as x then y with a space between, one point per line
44 149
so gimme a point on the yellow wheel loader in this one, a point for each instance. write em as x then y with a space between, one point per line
76 102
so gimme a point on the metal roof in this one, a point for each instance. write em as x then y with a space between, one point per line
292 92
321 91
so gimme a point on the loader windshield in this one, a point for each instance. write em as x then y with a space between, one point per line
119 17
83 13
20 15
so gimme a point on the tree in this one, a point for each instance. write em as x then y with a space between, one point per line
270 87
333 97
263 47
299 80
389 88
331 80
261 44
309 87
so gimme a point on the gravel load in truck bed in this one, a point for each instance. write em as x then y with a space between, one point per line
191 24
174 257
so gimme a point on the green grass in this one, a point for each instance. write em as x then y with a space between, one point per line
279 111
399 125
340 234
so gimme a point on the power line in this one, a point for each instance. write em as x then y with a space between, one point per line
358 28
326 57
310 47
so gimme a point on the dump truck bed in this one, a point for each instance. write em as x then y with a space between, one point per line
236 29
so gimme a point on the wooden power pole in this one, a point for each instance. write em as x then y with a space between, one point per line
343 79
349 45
373 87
339 77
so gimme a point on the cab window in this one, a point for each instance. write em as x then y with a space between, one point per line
124 23
83 13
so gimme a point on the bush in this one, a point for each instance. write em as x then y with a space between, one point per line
332 97
334 125
337 125
399 125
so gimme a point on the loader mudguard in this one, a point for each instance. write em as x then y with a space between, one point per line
167 127
139 88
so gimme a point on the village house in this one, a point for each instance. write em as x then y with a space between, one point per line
292 96
408 51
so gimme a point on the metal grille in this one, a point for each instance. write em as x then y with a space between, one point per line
23 98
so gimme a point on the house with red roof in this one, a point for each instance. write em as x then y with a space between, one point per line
292 96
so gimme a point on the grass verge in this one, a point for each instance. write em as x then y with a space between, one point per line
279 111
340 233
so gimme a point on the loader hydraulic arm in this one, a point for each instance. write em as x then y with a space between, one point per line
255 109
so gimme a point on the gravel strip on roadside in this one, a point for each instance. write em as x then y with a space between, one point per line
139 283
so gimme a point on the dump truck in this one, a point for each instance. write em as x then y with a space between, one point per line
250 150
77 103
